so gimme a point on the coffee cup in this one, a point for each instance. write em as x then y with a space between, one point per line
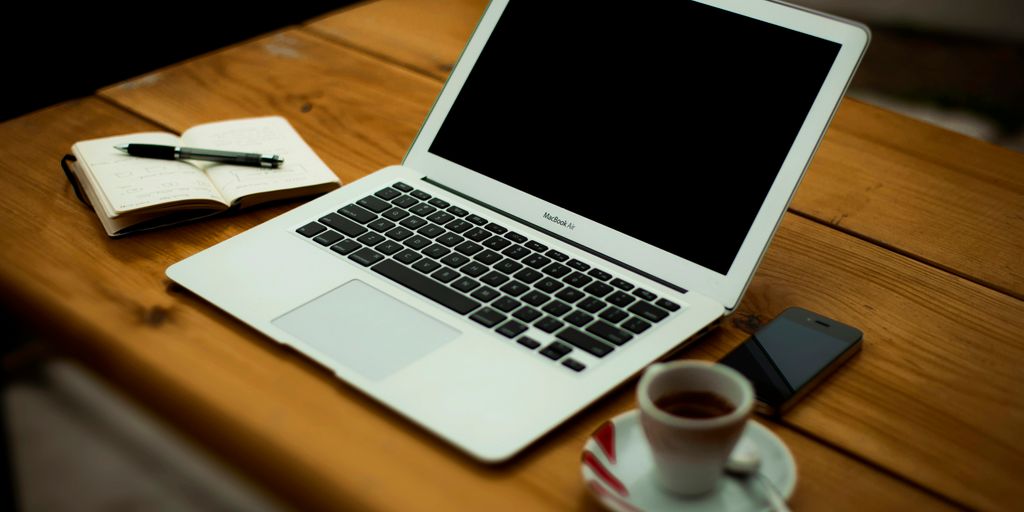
693 413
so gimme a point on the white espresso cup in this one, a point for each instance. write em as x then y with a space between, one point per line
690 451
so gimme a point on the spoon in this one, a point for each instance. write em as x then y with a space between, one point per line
744 462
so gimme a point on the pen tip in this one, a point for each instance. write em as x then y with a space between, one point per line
121 147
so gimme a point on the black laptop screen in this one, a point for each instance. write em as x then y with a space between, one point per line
667 121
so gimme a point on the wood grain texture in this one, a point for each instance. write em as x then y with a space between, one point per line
887 178
303 433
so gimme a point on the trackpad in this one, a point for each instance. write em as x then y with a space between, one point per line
365 329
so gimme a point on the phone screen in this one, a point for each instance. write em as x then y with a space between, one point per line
788 353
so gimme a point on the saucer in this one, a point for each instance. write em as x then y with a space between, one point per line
618 471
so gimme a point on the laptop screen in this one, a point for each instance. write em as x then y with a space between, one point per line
666 121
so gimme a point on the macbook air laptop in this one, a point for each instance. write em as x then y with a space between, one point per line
593 188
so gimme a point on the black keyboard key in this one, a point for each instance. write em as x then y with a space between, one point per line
398 233
339 223
556 308
374 204
644 294
419 194
536 298
591 305
417 242
311 229
600 275
402 186
516 252
388 248
511 329
371 238
506 304
667 304
430 230
622 285
620 299
458 226
488 257
527 314
494 278
445 275
497 243
469 248
556 270
414 222
405 202
515 288
488 317
441 217
387 194
427 287
474 269
508 266
381 225
396 214
465 284
366 256
345 246
357 213
496 228
548 324
485 294
555 255
478 235
436 251
569 295
456 211
578 265
584 341
609 333
614 315
535 260
440 203
549 285
422 209
426 265
515 237
476 219
528 275
578 318
578 279
598 289
528 342
328 237
556 350
636 325
408 256
574 365
536 246
648 311
454 260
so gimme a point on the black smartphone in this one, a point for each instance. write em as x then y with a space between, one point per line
791 355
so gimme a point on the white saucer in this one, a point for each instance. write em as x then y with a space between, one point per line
618 471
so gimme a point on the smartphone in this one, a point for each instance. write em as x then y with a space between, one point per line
791 355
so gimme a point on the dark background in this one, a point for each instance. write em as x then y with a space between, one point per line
58 52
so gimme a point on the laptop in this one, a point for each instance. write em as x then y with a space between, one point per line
593 189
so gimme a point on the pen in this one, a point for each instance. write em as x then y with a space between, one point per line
211 155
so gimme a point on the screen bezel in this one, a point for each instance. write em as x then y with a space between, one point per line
727 289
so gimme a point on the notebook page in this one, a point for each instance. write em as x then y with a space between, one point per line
128 183
271 135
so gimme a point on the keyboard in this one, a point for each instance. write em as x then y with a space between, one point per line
501 279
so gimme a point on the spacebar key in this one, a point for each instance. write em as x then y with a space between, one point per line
426 286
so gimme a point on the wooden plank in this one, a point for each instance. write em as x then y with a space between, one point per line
298 430
433 31
887 178
927 329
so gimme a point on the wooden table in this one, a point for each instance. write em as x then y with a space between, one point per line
910 232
